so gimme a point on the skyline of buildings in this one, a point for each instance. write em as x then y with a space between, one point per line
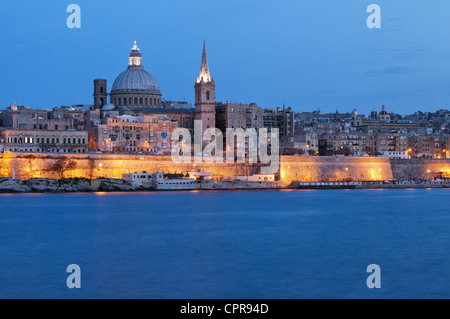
134 117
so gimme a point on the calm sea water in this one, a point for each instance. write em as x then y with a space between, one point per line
262 244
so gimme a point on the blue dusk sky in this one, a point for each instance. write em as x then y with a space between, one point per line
307 54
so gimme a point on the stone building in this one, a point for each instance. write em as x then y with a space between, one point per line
233 115
59 119
342 143
183 116
391 142
436 146
146 134
283 119
42 141
307 142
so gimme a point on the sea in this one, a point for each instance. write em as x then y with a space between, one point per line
280 244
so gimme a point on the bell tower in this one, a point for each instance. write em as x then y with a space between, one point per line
205 97
100 93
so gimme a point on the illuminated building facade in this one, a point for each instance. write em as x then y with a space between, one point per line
146 134
41 141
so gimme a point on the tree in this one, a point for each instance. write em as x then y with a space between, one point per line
62 165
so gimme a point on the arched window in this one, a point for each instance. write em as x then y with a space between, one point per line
135 101
101 89
129 101
102 102
207 95
140 101
146 101
151 101
120 100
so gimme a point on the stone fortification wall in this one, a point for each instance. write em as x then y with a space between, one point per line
23 166
419 168
317 169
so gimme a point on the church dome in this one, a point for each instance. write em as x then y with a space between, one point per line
383 111
135 80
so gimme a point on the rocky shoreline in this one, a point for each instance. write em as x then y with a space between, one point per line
68 185
85 185
74 185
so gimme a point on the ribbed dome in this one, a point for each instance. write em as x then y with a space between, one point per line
135 80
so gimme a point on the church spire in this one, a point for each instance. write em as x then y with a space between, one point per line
204 69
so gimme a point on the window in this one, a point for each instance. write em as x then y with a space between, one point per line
135 100
207 95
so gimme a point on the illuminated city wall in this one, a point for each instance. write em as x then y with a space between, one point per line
420 168
6 164
317 169
33 165
292 168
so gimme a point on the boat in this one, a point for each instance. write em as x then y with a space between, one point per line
161 181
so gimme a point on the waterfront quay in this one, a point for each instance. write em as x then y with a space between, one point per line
372 185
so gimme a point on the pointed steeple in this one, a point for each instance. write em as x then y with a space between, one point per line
204 69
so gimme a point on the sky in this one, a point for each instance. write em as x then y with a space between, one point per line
309 55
